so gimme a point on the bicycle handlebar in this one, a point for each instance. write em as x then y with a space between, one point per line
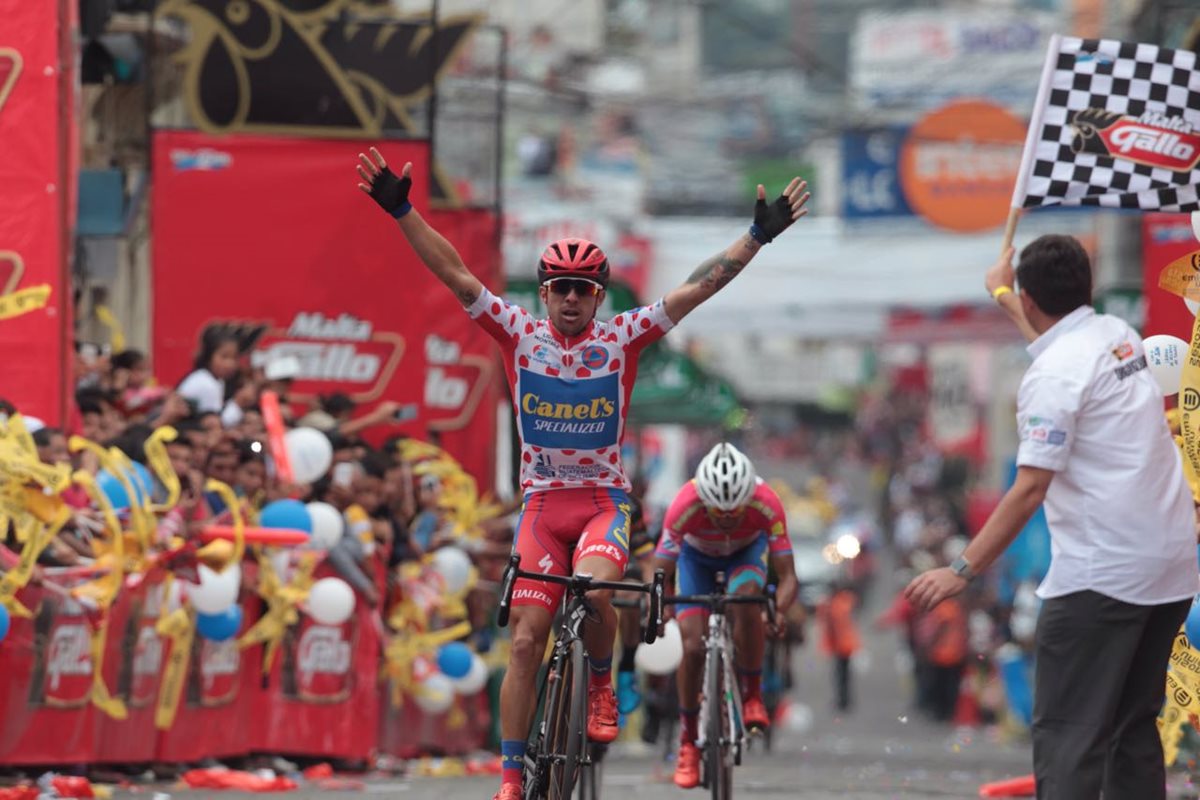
719 600
580 584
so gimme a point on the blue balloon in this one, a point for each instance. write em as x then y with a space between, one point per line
454 660
1191 626
290 514
219 627
4 622
114 490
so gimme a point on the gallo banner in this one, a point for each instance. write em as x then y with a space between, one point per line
1165 237
36 205
270 238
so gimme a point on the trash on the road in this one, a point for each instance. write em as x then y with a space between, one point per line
19 793
54 785
440 768
317 771
485 765
214 778
1025 786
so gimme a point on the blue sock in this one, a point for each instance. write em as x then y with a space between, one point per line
512 761
601 672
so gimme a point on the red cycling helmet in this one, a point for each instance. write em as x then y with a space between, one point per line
573 258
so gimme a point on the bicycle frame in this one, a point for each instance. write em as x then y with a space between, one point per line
568 651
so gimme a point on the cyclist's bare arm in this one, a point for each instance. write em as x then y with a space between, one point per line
712 275
788 587
441 258
430 246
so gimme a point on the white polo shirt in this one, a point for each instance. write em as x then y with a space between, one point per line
1119 509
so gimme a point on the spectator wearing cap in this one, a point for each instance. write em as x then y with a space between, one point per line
278 376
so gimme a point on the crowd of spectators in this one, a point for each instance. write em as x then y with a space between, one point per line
392 510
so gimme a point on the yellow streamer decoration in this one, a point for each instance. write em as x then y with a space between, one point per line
102 592
160 465
1189 420
406 647
1170 724
116 333
1181 694
281 606
37 538
179 627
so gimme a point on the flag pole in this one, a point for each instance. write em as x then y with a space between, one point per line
1031 139
1010 228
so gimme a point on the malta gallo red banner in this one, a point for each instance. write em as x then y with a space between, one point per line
1165 237
322 697
36 205
272 238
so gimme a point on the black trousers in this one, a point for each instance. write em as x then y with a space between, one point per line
1100 677
843 698
944 684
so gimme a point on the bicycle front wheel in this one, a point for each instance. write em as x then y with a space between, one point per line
568 727
718 766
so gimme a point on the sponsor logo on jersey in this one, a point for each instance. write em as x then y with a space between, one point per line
594 356
579 414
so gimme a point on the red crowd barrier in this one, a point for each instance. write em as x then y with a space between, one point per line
322 697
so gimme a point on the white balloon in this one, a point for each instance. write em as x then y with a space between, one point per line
1165 355
435 694
331 601
1191 304
1196 224
217 590
475 679
454 566
327 525
662 657
310 452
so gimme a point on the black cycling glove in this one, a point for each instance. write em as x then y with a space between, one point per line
391 193
771 220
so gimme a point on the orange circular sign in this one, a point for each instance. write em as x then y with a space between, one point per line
959 163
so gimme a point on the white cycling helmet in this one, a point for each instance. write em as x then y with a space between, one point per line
725 478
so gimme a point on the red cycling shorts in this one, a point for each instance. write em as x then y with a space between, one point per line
560 527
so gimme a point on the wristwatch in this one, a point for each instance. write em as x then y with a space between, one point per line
962 568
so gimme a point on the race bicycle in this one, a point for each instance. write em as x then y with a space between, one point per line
558 747
720 726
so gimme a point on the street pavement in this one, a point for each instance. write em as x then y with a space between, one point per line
880 751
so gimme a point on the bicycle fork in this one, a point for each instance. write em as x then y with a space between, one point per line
730 697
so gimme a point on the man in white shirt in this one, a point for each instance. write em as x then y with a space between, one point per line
1096 449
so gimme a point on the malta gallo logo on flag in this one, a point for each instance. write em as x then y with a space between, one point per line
1154 139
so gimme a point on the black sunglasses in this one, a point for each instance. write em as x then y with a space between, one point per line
581 286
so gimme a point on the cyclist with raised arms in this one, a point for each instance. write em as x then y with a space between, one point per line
727 520
571 378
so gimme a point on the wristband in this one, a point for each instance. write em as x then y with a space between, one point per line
759 235
1000 291
402 210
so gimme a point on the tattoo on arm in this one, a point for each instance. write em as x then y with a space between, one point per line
719 270
467 297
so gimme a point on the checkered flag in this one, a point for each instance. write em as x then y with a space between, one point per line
1116 124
